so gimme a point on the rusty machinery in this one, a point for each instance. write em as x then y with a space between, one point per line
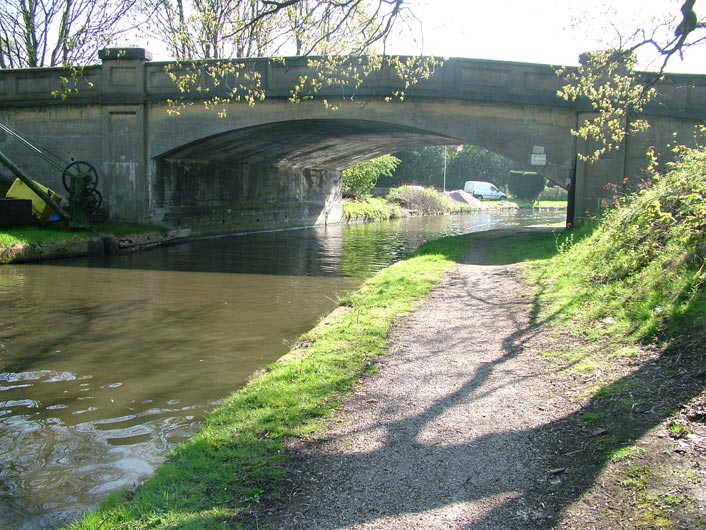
79 178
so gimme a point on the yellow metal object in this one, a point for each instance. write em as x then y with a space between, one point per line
41 211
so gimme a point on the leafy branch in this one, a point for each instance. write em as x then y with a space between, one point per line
616 95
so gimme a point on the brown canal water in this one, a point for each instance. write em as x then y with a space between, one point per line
107 363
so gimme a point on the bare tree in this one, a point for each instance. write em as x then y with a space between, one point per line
208 29
345 41
223 29
58 32
331 27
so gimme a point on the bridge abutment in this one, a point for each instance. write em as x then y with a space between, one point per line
623 170
211 197
596 183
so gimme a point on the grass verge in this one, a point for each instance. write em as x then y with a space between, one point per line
541 204
622 308
218 476
57 232
415 200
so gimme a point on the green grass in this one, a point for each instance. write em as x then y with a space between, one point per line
426 201
57 232
529 247
541 205
640 273
212 480
636 478
30 234
554 205
577 360
677 430
625 453
594 417
370 209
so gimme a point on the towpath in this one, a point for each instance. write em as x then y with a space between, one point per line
441 435
461 427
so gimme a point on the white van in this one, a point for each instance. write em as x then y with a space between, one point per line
484 190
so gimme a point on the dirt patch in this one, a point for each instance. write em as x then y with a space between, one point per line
468 424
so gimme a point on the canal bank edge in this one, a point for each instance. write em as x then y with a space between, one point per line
221 473
98 245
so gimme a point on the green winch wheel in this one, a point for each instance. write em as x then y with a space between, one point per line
91 199
83 169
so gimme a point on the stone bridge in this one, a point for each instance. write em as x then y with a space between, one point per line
278 164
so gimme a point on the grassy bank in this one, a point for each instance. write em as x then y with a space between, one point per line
425 201
622 309
405 200
641 269
541 204
216 477
33 243
58 232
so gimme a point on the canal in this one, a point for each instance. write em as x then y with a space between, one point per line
106 363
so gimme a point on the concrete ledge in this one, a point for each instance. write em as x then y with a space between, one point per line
94 246
124 54
135 242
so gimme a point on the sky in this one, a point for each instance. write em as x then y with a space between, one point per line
540 31
535 31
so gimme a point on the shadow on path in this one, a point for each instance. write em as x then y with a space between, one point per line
494 448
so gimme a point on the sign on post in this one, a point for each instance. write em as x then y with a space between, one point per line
539 158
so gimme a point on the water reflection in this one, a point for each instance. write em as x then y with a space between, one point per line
106 363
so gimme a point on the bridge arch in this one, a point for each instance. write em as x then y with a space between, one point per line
211 176
355 132
311 142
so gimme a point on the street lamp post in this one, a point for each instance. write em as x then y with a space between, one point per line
445 148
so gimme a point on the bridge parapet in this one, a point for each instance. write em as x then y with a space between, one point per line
120 76
467 79
33 86
127 75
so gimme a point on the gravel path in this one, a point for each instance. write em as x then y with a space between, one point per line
442 435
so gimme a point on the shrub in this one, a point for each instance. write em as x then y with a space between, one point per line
417 198
361 178
526 185
555 193
370 210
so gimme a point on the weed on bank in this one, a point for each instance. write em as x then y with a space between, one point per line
218 477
